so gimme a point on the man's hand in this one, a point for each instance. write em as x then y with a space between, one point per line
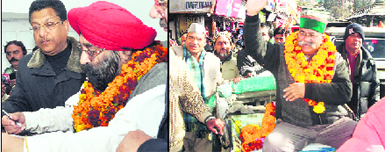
11 144
132 141
10 126
172 43
218 123
294 91
254 6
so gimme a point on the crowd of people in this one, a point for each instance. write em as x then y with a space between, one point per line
95 93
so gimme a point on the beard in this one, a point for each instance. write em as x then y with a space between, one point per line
104 72
223 54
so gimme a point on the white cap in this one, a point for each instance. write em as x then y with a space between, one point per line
196 28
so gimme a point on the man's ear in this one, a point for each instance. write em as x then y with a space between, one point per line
67 25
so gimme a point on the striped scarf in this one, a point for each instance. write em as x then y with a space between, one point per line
197 70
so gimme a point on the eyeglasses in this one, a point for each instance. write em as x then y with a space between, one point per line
48 26
160 2
92 54
304 34
191 38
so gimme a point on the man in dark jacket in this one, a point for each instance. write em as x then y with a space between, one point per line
312 84
362 70
48 77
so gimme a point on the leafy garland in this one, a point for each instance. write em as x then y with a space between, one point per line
97 108
253 136
318 70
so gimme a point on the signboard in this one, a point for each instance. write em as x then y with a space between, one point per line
185 21
191 6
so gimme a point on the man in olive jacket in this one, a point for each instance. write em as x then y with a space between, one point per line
48 77
362 70
301 117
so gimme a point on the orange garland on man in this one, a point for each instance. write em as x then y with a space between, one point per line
312 84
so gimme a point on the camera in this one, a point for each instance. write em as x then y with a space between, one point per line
4 79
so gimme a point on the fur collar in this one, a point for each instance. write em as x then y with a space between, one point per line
73 64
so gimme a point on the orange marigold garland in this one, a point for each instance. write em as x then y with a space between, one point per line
318 70
97 108
253 136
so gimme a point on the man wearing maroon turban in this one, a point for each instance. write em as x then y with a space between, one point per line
127 76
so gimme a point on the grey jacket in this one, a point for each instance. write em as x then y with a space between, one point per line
298 112
366 85
38 86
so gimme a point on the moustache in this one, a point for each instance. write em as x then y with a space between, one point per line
85 67
13 59
223 52
311 44
42 41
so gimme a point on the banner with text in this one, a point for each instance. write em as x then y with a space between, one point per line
191 6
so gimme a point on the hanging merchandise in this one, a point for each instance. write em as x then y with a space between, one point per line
221 7
235 8
228 22
288 23
228 8
262 17
232 26
279 22
271 17
214 28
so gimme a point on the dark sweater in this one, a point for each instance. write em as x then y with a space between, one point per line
59 61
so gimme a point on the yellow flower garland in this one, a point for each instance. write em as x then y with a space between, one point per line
97 108
318 70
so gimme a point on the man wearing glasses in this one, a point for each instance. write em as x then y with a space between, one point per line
48 77
205 69
312 84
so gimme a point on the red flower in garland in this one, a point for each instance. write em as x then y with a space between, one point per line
318 70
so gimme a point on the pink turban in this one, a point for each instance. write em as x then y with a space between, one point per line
109 26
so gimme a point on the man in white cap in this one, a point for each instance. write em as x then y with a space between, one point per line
205 70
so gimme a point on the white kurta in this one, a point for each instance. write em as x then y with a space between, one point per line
144 112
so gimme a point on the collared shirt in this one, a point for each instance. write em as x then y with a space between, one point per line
352 64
